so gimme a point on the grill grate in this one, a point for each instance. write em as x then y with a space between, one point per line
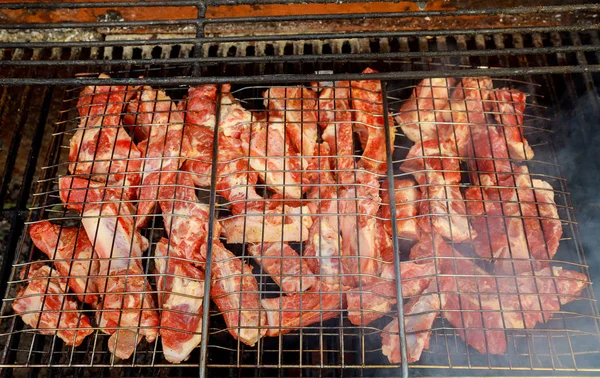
527 54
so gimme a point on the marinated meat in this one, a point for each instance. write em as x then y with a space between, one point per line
508 106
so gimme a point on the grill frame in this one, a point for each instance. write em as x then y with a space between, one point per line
560 68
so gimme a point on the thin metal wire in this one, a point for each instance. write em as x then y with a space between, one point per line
345 357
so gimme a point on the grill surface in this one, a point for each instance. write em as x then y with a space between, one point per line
532 57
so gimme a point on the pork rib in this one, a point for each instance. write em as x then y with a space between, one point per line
508 106
369 123
235 292
285 266
406 196
181 294
43 305
73 256
291 312
419 115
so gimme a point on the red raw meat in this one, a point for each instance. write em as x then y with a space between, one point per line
181 293
335 118
369 123
508 106
235 292
285 266
200 121
370 302
72 253
100 148
163 151
186 220
358 207
43 305
407 197
291 312
420 115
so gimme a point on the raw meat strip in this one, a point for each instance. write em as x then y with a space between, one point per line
235 292
43 305
275 160
419 314
322 253
369 123
186 220
163 151
508 106
419 114
358 207
181 293
127 310
436 169
407 197
291 312
335 119
298 106
73 256
285 266
101 148
370 302
200 120
518 221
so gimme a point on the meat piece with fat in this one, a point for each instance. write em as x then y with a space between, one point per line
369 123
73 256
235 292
285 266
180 288
419 115
406 197
291 312
101 149
45 306
371 302
508 106
335 118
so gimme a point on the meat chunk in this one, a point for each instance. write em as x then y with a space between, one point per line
369 123
43 305
358 209
101 149
291 312
508 106
199 123
298 105
407 197
181 293
518 221
419 115
436 169
371 302
419 314
127 309
275 160
73 256
285 266
235 292
335 119
163 151
185 219
322 252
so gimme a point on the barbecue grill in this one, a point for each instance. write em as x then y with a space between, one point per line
51 51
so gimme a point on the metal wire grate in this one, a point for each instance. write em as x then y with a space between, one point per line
214 53
566 342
